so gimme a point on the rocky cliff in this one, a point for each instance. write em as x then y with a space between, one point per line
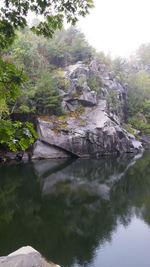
95 104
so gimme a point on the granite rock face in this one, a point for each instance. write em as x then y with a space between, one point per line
79 92
93 134
25 257
93 131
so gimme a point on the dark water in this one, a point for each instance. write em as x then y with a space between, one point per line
87 212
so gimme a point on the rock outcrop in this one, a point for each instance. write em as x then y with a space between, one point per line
25 257
91 127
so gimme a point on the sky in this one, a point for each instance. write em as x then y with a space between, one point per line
117 27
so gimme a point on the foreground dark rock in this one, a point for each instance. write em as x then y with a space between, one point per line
25 257
17 156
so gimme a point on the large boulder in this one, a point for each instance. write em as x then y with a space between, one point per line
74 71
25 257
92 133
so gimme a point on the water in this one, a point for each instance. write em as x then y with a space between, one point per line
85 212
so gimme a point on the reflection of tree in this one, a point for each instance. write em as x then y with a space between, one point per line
8 187
133 190
70 220
18 188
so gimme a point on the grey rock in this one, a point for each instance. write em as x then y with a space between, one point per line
94 66
79 92
101 135
96 131
102 68
25 257
73 71
88 98
112 75
42 150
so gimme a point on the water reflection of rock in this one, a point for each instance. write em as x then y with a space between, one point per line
69 220
93 176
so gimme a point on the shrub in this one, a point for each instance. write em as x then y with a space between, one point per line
113 103
95 83
16 135
140 125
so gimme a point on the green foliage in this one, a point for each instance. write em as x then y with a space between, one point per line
95 83
24 109
14 15
128 128
139 94
47 96
3 108
80 109
146 108
79 49
81 81
143 54
24 52
7 34
141 125
113 103
10 80
66 47
75 94
16 135
119 66
41 60
106 60
13 135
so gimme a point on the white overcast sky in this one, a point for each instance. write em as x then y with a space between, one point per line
117 26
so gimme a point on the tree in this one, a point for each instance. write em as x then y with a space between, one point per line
10 81
47 97
143 54
13 16
139 93
16 135
40 59
113 102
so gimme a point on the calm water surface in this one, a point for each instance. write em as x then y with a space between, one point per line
84 212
